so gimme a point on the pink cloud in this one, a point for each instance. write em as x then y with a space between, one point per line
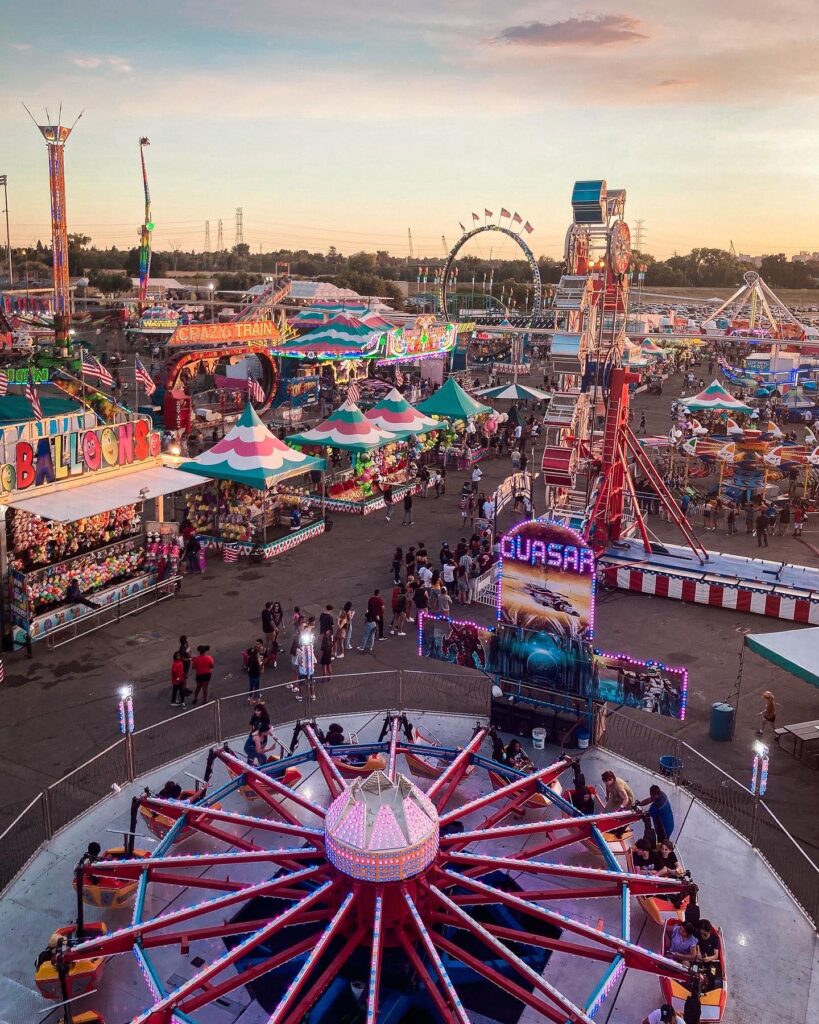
584 30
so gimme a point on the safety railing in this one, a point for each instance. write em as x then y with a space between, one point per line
114 612
375 692
730 801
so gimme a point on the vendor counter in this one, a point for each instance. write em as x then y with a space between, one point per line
364 506
233 550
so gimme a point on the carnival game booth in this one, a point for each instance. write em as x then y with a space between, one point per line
245 508
336 351
377 458
74 492
466 436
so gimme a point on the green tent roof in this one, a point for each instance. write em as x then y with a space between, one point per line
17 408
453 402
793 649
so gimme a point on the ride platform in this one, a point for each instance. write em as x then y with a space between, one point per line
777 590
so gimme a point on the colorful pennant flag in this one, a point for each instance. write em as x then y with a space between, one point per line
143 377
92 367
34 398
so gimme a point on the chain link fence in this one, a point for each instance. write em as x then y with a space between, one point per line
374 693
744 812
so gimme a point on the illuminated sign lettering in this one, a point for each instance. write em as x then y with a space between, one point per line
565 557
426 337
79 453
248 330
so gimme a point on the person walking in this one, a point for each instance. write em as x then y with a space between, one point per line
348 636
642 429
192 549
370 631
423 479
185 653
767 716
750 517
340 635
762 527
411 562
202 664
660 812
731 519
784 518
399 612
254 666
408 520
375 606
326 658
306 663
798 520
177 681
277 614
477 473
387 493
326 620
268 629
444 602
440 481
397 565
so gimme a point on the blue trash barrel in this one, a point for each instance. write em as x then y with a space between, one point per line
670 766
722 721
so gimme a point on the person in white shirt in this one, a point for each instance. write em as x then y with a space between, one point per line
518 432
477 473
664 1015
425 574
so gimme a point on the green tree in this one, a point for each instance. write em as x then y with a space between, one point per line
110 284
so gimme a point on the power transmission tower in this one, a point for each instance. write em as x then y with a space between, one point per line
639 235
220 241
732 250
443 243
240 235
409 235
207 236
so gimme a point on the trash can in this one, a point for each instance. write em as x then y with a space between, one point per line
538 738
583 737
670 766
722 721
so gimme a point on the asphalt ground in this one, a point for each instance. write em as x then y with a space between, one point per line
58 708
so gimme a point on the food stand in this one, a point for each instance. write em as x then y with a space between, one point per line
378 458
72 492
246 509
451 402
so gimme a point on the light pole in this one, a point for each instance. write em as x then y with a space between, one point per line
4 183
210 289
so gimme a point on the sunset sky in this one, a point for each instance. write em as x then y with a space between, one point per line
346 123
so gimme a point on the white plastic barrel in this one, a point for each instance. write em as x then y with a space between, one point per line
538 738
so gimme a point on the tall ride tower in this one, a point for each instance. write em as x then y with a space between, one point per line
56 136
145 232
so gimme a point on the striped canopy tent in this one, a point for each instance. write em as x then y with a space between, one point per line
452 402
514 393
308 318
396 415
343 337
650 349
350 430
249 454
715 398
377 322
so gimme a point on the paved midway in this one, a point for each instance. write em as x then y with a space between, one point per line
59 708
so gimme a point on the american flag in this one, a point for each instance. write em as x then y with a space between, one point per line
487 213
527 227
4 383
353 393
143 377
504 212
2 671
34 398
517 219
254 390
92 367
399 377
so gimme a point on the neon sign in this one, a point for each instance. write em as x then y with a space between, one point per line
424 339
565 557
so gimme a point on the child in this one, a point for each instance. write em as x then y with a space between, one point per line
177 681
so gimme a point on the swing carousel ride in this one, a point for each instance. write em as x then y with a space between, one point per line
371 899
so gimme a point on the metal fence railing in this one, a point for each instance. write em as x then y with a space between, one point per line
373 693
730 801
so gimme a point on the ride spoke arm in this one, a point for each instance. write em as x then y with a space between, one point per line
375 961
605 821
392 756
545 776
638 885
445 1012
332 776
634 956
541 941
459 1013
260 782
201 817
441 790
162 1012
567 1007
124 939
282 1011
186 936
125 869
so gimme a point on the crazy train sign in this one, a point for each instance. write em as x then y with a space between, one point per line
49 460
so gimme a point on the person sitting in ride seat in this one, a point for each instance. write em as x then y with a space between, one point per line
710 949
681 941
665 860
170 791
642 856
517 758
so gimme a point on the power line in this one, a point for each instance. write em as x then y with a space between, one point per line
639 235
207 236
220 242
240 234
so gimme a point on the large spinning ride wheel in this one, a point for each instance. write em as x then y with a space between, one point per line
443 288
383 875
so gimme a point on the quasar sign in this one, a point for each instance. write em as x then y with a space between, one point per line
547 580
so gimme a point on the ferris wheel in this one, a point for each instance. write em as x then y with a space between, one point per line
446 280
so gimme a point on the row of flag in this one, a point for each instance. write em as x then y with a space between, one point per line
514 218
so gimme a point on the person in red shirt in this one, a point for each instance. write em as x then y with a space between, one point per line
375 606
202 664
177 681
